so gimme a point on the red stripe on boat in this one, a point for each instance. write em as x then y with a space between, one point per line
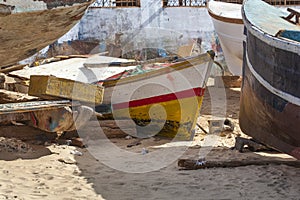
162 98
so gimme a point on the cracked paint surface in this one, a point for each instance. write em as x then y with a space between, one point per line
24 34
36 5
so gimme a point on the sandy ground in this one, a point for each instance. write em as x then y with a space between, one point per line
149 170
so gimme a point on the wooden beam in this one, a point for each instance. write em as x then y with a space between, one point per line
30 106
191 164
49 87
7 118
11 68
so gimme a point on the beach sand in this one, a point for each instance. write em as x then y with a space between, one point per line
52 171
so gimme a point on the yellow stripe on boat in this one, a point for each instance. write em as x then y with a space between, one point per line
179 116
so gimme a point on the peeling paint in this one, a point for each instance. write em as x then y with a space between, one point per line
37 5
54 3
150 25
24 34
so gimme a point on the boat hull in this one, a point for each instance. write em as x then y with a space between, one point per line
270 95
26 31
266 121
173 118
229 27
166 101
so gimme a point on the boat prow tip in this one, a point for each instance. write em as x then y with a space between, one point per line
211 53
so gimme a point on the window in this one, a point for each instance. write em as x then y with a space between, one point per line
116 3
184 3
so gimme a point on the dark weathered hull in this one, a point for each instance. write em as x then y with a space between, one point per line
268 118
270 97
23 33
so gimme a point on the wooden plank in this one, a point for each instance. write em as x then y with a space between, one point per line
2 80
12 68
7 118
191 164
65 68
50 86
20 87
31 106
13 97
103 61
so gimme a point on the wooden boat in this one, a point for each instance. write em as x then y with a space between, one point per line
228 24
28 26
163 96
270 96
165 101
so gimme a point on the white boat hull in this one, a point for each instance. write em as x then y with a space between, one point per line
228 24
166 100
166 82
231 38
227 21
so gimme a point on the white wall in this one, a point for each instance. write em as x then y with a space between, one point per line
150 25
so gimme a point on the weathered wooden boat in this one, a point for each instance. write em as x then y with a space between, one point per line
270 95
164 101
28 26
162 96
228 24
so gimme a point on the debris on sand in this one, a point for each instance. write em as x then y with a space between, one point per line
14 145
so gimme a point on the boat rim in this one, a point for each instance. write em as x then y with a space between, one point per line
280 43
186 63
231 20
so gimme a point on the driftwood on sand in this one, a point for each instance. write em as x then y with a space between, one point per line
191 164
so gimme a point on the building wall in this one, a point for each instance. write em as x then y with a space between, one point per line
150 25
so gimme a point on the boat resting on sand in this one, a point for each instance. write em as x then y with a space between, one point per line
270 95
165 101
227 20
228 24
28 26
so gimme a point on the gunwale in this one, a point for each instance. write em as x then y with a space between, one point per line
187 62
